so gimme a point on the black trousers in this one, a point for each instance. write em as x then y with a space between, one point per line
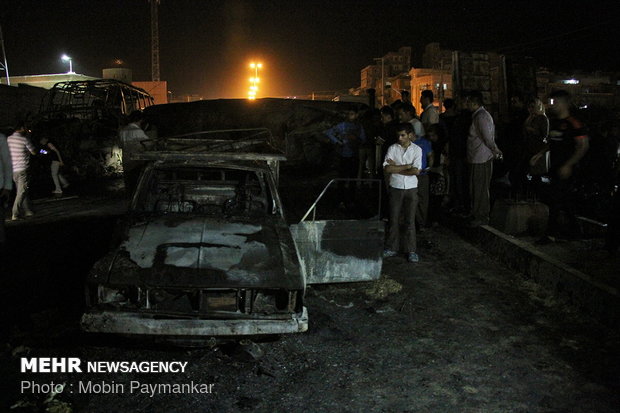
403 203
561 198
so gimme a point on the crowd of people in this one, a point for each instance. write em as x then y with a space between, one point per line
438 163
431 164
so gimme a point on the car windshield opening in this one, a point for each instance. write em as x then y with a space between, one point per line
211 191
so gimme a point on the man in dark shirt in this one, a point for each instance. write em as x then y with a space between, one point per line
568 143
347 136
388 137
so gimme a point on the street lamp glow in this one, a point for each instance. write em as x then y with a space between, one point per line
66 58
254 80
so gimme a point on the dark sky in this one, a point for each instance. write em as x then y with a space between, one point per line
206 45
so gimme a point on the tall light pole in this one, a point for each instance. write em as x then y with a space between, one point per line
254 80
66 58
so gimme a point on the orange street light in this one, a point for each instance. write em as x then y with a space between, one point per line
254 80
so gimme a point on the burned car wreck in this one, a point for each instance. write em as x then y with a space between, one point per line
206 251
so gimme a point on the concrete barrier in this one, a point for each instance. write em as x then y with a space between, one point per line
566 283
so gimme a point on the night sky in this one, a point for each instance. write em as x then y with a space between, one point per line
205 46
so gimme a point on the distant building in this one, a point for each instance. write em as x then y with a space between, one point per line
587 89
184 98
45 81
159 90
434 57
393 67
437 80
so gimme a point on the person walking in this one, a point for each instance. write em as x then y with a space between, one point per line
21 149
52 151
481 151
403 162
568 143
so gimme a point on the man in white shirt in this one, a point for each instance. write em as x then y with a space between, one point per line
21 149
6 185
407 113
403 162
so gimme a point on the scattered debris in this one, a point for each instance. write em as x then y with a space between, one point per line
20 351
57 406
24 404
380 289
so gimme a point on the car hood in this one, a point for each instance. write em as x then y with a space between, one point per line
207 252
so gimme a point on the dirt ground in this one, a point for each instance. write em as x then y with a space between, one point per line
456 332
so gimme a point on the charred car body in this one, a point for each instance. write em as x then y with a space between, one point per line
206 250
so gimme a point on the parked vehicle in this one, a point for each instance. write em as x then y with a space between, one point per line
206 250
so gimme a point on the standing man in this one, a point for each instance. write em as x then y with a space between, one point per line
481 151
421 216
430 115
6 185
568 143
130 137
403 162
348 136
21 149
406 113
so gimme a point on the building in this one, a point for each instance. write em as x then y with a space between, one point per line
587 89
434 57
45 81
388 75
437 80
184 98
158 90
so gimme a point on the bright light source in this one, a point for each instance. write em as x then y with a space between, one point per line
66 58
253 87
251 80
571 81
252 65
259 65
256 79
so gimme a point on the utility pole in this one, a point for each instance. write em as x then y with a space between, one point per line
4 65
154 41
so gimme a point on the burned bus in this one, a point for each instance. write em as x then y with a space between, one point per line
83 119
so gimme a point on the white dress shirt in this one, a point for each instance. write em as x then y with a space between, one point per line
412 155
